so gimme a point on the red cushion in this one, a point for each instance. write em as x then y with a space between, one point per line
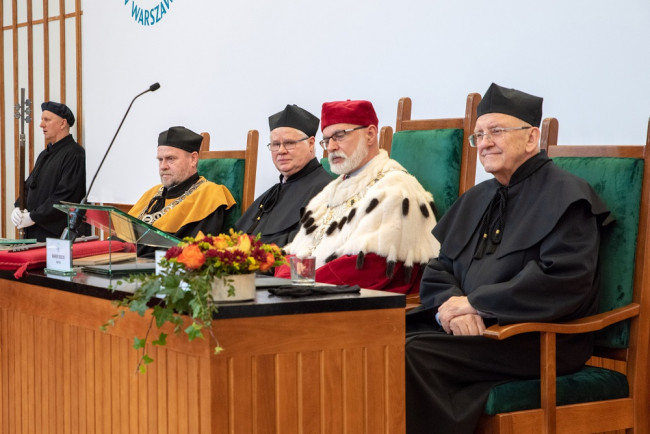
36 258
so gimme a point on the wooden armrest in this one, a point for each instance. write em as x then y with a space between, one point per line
582 325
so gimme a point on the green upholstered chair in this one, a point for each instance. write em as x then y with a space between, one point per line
437 151
594 399
234 169
438 154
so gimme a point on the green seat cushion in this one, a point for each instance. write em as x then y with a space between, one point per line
228 172
325 162
618 183
588 384
433 157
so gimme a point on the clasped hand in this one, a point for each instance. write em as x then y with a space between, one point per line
458 317
21 219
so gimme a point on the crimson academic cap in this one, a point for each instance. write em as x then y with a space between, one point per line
348 112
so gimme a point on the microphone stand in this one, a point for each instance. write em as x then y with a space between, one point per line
77 216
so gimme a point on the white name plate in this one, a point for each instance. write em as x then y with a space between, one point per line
59 256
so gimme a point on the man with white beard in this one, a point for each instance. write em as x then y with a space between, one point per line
372 225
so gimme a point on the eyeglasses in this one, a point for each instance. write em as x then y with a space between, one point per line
288 144
338 136
495 133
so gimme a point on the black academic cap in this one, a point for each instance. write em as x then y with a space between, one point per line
59 110
295 117
182 138
511 102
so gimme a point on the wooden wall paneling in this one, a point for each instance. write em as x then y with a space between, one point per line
266 407
287 381
333 394
193 401
206 417
3 130
29 144
17 63
354 390
239 378
14 35
376 378
80 118
171 398
46 51
4 366
62 77
310 391
31 401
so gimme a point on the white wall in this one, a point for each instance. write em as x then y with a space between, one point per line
224 67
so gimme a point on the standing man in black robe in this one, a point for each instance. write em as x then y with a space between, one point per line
59 174
520 247
276 213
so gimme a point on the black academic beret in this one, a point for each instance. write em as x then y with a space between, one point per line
59 110
295 117
182 138
511 102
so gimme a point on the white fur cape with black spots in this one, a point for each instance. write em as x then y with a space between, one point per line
382 210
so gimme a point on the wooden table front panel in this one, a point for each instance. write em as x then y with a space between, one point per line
339 372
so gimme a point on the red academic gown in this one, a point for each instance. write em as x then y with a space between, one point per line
372 275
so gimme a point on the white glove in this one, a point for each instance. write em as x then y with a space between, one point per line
26 221
16 216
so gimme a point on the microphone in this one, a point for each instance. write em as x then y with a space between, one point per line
77 216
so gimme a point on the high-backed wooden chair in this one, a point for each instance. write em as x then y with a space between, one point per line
594 399
234 169
437 151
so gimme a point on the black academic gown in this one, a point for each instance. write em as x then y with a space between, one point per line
542 268
59 174
276 213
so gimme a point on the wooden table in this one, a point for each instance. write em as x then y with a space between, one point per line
327 365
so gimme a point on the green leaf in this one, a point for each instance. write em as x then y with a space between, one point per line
138 343
194 331
196 306
175 294
139 306
162 315
151 288
146 359
162 340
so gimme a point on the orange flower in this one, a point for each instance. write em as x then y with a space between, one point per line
219 242
244 243
191 257
270 260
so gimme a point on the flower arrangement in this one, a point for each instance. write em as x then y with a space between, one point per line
185 283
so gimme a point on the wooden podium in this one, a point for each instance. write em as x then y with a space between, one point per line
316 365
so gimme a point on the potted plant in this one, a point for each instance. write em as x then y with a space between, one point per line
194 276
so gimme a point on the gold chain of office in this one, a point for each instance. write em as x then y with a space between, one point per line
336 211
151 218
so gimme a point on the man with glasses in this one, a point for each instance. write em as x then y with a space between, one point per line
372 225
520 247
276 213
